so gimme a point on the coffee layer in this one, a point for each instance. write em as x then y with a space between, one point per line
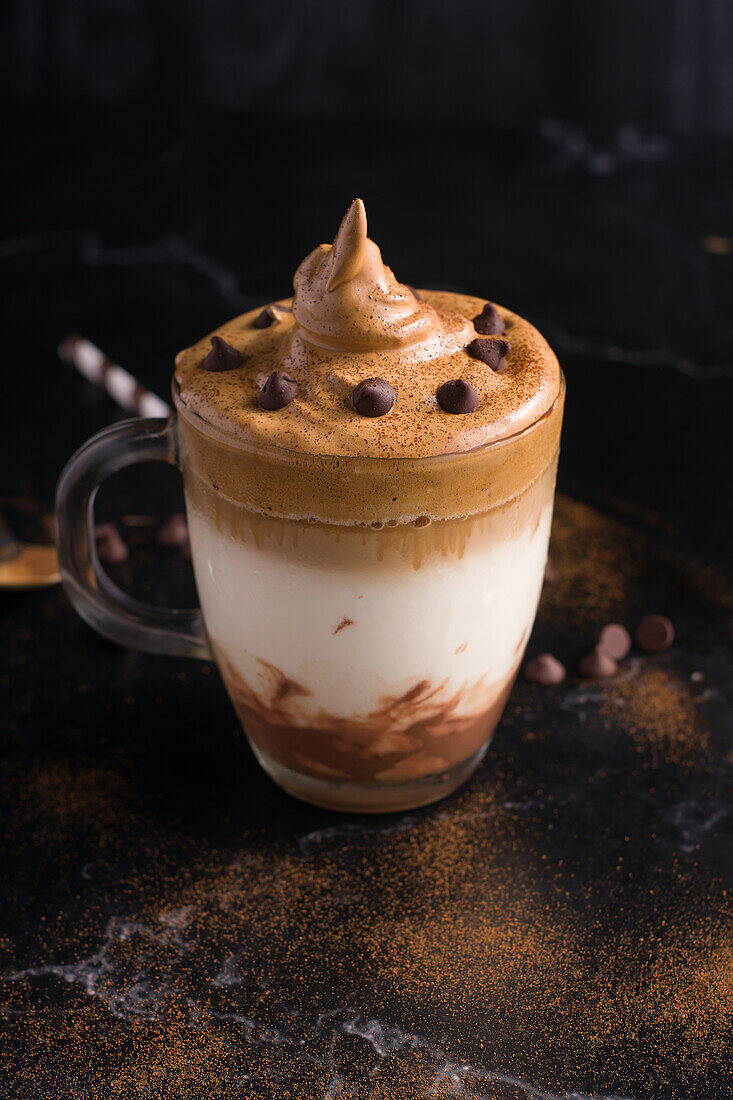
355 490
371 549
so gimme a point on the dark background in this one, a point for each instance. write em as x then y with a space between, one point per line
166 166
665 64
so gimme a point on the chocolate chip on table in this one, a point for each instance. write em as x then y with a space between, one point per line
415 293
174 533
654 634
489 321
373 397
458 396
491 352
111 548
269 316
615 640
545 670
278 391
222 356
597 665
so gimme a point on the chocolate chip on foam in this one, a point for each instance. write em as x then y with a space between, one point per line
278 391
373 397
489 321
491 352
458 396
222 356
270 315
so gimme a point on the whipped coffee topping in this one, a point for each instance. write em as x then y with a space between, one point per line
349 321
347 300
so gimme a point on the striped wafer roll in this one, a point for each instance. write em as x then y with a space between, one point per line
129 394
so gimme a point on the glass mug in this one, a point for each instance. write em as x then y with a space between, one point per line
369 660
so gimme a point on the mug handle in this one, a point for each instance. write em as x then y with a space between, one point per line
99 601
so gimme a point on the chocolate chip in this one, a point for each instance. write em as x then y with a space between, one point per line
550 572
414 292
174 533
615 640
278 391
491 352
544 669
373 397
270 314
654 634
489 321
458 396
597 665
222 356
111 549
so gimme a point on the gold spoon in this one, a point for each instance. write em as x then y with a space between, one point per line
25 565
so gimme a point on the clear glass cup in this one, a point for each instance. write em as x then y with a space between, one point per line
368 658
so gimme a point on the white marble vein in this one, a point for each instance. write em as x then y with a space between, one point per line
170 248
131 985
629 146
661 357
694 820
125 989
456 1077
91 251
348 831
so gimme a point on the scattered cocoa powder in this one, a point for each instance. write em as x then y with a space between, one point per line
654 707
595 561
60 802
466 922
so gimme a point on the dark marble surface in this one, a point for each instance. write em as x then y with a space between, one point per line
172 924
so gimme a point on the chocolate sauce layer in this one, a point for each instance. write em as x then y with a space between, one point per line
418 733
350 320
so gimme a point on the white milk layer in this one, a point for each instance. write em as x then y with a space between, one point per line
453 621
